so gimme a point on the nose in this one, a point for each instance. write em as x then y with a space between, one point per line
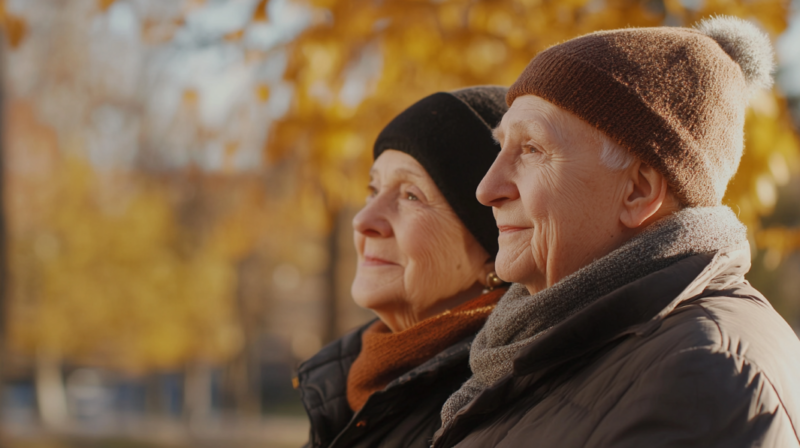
371 220
497 186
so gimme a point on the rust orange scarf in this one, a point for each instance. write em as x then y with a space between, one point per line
385 355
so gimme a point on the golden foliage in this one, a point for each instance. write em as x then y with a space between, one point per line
104 4
112 268
156 32
109 277
190 98
125 270
234 36
426 46
260 13
771 155
262 92
15 27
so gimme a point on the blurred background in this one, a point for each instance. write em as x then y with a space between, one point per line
179 176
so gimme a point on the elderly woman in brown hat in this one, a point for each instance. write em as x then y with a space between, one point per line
426 251
630 323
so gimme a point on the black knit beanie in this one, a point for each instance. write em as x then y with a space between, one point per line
450 135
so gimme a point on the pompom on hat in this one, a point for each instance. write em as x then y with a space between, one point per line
674 97
746 45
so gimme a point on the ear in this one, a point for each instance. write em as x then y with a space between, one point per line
487 268
645 194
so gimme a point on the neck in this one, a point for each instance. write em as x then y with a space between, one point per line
406 316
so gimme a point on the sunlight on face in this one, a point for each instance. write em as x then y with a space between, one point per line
413 251
556 205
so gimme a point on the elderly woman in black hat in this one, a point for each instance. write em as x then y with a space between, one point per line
426 251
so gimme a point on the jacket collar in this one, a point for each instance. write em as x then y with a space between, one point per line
345 350
637 308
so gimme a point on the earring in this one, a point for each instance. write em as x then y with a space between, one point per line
492 282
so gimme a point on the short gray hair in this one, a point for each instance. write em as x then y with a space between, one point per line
613 155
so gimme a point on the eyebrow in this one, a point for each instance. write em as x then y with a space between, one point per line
497 134
545 126
408 172
526 126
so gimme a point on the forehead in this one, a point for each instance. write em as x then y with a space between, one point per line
393 163
533 115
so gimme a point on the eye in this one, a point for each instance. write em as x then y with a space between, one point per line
372 191
529 149
411 197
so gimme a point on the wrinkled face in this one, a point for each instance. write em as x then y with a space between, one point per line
413 251
556 206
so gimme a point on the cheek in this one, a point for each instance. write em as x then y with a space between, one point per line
374 287
572 212
550 201
562 197
587 206
437 254
541 189
427 244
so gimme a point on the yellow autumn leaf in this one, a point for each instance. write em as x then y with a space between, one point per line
234 36
260 13
15 28
104 4
262 92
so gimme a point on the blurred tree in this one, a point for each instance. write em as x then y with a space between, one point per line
3 237
108 277
124 203
116 262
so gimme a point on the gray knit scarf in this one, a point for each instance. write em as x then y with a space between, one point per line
520 318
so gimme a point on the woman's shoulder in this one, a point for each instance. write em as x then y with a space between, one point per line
345 348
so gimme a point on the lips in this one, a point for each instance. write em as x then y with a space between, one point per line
370 260
510 229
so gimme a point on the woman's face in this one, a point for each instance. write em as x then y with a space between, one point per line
414 254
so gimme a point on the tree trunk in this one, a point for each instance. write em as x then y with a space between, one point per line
3 242
330 324
241 386
197 394
50 394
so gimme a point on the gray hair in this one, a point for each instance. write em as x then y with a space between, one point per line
613 155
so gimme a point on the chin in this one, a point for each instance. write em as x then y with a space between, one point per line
505 274
372 293
511 269
361 293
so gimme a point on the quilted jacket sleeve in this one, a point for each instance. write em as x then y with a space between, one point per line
700 397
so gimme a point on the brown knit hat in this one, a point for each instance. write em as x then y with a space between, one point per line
674 97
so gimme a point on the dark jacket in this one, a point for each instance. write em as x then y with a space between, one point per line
405 414
690 356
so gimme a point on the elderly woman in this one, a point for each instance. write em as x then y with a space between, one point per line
426 252
631 323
